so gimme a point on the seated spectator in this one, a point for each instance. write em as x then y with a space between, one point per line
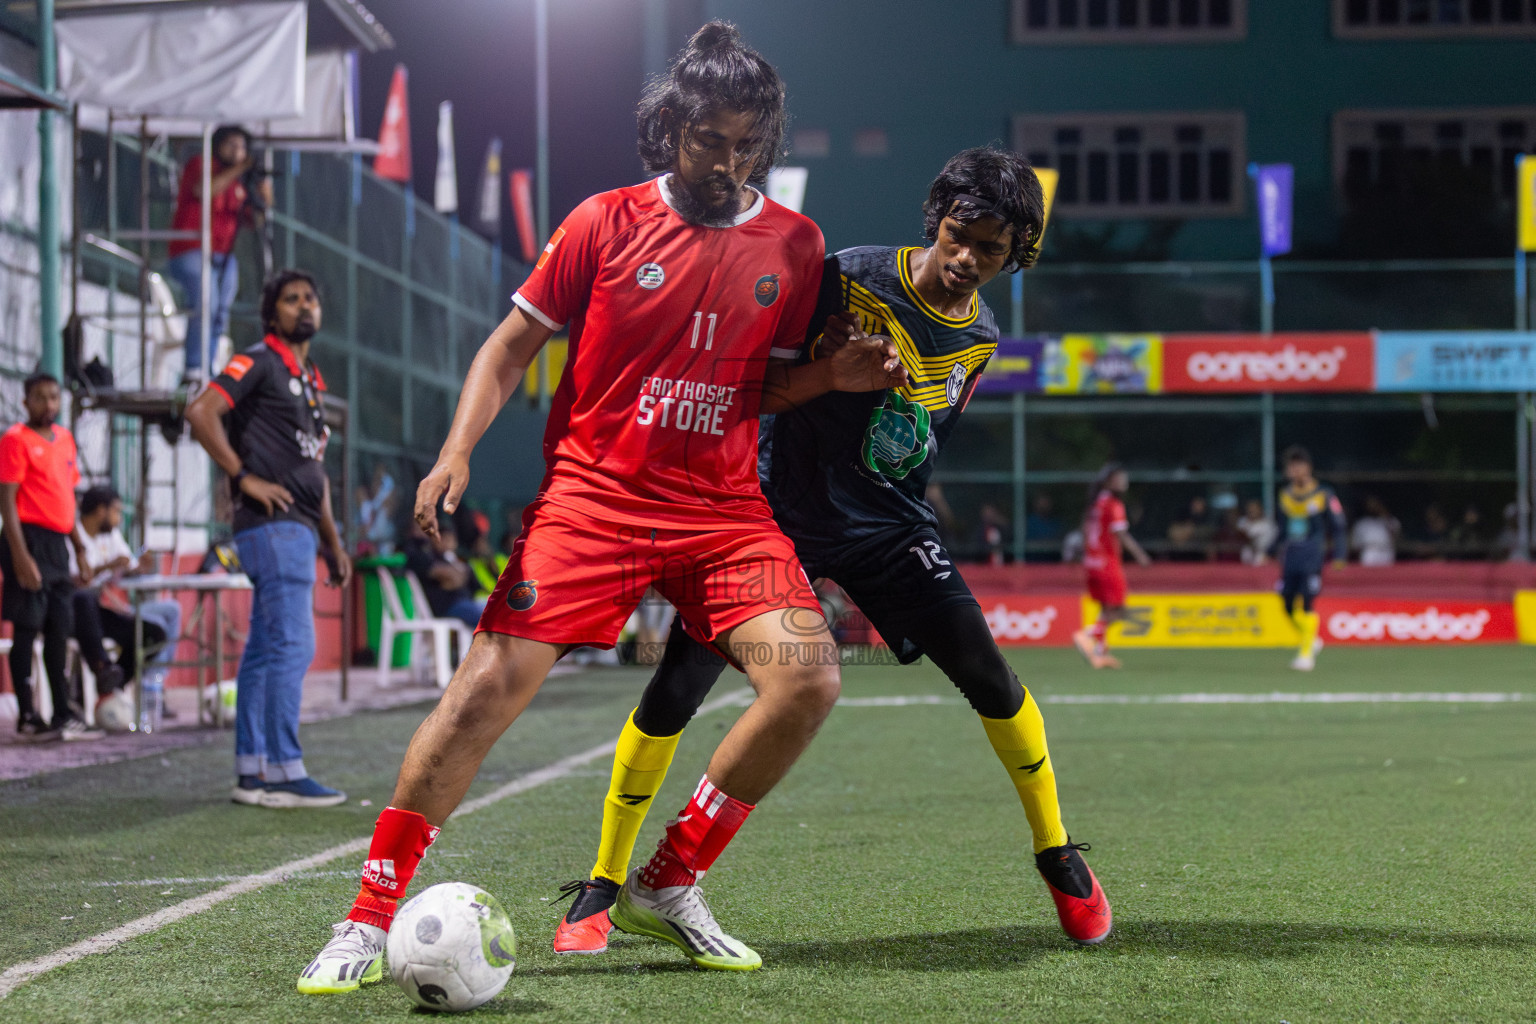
102 611
445 577
376 511
1258 531
936 500
1041 524
1374 535
1228 541
1436 532
1191 535
992 534
1507 546
484 564
1465 540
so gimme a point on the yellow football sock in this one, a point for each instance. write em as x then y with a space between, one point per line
639 766
1308 623
1020 744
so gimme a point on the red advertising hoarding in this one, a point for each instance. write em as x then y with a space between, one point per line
1026 620
1371 621
1294 361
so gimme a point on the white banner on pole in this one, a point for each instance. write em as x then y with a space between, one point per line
445 189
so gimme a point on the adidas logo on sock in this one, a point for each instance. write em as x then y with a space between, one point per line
381 873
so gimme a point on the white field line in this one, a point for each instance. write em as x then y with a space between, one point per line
1210 698
19 974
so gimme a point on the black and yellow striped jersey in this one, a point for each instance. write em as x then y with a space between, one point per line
847 465
1310 521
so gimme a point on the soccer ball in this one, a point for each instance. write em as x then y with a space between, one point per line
115 713
451 947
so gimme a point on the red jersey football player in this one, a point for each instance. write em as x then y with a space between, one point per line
1105 533
678 293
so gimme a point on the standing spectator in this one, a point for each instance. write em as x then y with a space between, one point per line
1259 531
1375 534
274 453
1507 545
38 474
232 158
102 610
446 579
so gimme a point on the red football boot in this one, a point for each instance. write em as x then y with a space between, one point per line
1080 903
585 927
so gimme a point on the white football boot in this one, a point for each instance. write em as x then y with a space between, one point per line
354 957
679 915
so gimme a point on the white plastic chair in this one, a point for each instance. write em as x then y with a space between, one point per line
42 693
396 622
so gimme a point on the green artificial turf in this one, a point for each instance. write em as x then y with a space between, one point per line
1267 862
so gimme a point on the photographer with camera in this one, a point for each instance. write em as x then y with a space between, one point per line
240 195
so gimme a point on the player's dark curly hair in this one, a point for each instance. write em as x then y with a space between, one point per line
1003 179
1295 453
273 290
715 72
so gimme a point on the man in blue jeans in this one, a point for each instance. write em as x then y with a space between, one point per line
274 453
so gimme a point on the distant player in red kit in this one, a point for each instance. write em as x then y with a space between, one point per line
1105 532
688 297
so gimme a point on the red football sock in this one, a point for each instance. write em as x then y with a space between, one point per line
695 838
1097 632
400 840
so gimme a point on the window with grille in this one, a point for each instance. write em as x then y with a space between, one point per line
1128 21
1141 164
1391 152
1426 18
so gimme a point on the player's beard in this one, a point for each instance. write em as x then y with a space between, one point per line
303 329
688 200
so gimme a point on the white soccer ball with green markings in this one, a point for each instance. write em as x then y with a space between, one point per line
451 947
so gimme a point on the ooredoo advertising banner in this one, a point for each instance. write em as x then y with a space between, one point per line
1023 620
1455 361
1369 621
1327 361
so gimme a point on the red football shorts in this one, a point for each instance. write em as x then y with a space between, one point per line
1107 588
572 579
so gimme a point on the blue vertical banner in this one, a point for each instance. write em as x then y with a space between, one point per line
1275 185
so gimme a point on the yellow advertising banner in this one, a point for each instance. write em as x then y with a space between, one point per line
1104 364
1525 189
1525 615
1200 620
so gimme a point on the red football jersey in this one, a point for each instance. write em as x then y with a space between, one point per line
1102 526
671 328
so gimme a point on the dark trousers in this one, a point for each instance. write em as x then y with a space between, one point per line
94 623
48 611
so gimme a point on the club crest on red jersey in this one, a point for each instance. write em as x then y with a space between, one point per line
650 276
766 291
522 596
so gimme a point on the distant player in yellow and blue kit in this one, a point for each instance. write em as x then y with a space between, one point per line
1311 518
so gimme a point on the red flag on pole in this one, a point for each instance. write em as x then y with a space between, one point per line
394 159
521 185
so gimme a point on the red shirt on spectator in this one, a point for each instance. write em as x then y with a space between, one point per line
47 473
227 208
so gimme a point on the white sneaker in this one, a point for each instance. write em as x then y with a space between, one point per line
1317 646
679 915
353 957
1304 663
76 731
